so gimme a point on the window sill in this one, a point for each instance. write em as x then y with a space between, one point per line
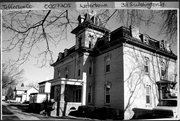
107 72
89 103
148 104
146 73
107 104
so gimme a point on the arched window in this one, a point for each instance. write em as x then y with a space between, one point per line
148 94
163 70
146 65
107 92
107 63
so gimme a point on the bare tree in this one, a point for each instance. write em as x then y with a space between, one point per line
169 26
33 84
11 75
42 30
34 29
10 93
167 20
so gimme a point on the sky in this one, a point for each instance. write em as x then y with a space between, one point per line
34 74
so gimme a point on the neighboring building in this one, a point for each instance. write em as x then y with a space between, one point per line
122 69
22 93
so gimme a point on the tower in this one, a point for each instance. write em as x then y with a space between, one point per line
88 31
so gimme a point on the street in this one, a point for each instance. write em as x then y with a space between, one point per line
12 111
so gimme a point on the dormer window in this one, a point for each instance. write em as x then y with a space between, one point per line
144 38
161 44
60 55
146 41
65 52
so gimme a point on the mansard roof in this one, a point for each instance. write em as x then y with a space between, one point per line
123 35
116 38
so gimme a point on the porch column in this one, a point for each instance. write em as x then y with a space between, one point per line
62 91
62 100
83 98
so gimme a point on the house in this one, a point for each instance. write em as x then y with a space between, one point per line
122 69
22 93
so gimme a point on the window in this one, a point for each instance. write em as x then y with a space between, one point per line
107 64
161 44
77 95
164 92
66 76
163 69
90 70
90 67
91 38
79 72
107 95
89 94
52 92
78 68
66 71
146 39
167 90
148 96
146 65
59 73
79 41
107 92
90 44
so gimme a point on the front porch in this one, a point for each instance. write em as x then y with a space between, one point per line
68 94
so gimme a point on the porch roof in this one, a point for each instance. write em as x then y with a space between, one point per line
59 81
166 82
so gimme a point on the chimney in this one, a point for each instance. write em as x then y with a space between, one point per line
134 31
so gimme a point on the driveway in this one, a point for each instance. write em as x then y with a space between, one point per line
13 111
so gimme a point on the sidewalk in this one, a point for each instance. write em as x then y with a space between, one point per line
163 119
7 114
